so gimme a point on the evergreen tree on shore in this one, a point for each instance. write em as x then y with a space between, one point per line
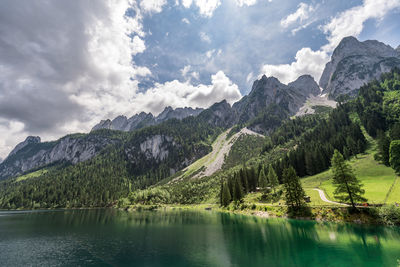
272 178
225 195
294 193
262 179
348 187
395 155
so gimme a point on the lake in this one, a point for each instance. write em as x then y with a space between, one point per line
187 238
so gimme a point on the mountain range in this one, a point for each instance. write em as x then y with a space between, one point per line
147 140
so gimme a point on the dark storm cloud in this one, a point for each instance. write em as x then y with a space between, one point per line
43 47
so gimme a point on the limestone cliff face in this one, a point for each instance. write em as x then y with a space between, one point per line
72 149
270 91
354 64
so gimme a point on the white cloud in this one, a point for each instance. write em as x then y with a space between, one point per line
351 22
306 61
204 37
11 133
246 2
210 53
185 20
302 13
152 6
185 70
178 94
187 3
65 66
188 74
195 75
206 7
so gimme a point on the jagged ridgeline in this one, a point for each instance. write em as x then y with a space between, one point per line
124 155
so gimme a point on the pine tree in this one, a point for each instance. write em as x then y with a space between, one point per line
294 193
244 179
272 178
237 189
395 155
383 147
348 187
225 195
346 153
351 144
262 179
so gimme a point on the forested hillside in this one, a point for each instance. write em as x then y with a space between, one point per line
141 166
142 159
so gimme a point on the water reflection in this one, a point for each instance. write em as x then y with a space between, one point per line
183 238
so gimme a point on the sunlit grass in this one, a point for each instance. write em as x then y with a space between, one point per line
31 175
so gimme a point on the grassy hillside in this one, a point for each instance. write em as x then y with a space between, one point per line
377 178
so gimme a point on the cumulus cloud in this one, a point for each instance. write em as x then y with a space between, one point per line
206 7
63 65
302 13
351 22
152 6
187 3
66 65
178 94
53 54
246 2
306 61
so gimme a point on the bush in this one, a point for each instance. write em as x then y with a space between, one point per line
150 196
389 215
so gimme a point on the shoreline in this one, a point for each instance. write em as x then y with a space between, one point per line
334 214
318 214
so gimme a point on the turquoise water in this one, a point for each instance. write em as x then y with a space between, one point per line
183 238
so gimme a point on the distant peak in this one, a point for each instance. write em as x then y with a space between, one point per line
349 39
33 139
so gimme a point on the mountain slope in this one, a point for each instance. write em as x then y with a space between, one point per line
269 90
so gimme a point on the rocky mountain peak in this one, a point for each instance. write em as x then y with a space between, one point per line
306 85
28 140
354 63
137 121
398 49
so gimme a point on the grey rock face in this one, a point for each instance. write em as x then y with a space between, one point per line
179 113
28 140
354 64
156 147
269 90
143 119
69 149
103 124
398 49
220 115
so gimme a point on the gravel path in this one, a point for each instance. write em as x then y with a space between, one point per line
323 197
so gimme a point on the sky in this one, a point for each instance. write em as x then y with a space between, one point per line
66 65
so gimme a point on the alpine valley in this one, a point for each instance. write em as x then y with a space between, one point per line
233 156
